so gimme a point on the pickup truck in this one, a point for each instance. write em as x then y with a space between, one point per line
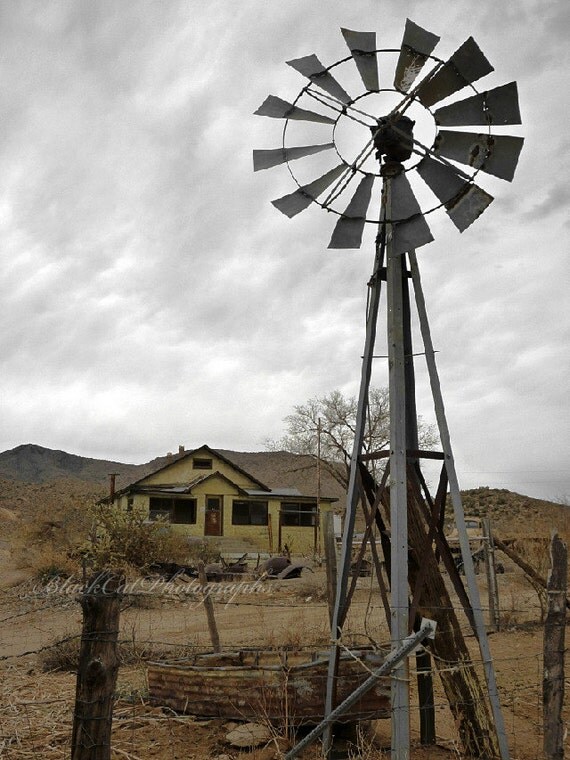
474 529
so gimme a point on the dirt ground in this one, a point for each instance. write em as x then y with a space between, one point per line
36 706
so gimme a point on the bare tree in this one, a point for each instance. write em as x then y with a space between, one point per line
336 415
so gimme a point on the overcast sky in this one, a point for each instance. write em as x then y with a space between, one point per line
151 296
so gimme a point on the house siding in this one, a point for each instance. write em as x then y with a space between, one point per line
227 483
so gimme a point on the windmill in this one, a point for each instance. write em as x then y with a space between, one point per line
395 156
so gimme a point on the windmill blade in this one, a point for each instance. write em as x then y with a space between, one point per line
362 46
412 231
265 159
466 65
463 200
493 154
349 228
294 203
497 106
310 66
277 108
417 44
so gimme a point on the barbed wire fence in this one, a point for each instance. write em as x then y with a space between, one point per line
37 705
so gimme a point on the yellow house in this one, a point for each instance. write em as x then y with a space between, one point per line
206 495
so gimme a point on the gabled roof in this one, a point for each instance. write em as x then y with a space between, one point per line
137 484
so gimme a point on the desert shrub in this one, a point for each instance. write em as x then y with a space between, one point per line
124 540
98 537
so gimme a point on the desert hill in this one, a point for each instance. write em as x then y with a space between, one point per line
31 463
43 467
513 514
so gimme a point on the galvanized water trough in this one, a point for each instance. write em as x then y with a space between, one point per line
275 685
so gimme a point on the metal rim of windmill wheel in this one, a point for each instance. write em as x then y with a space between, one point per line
387 124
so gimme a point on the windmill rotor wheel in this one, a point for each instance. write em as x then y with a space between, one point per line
398 133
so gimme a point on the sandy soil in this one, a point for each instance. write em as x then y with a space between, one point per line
36 707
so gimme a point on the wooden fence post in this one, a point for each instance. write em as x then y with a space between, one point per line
554 631
209 607
98 668
491 567
330 561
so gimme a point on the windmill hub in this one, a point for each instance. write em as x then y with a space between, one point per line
393 138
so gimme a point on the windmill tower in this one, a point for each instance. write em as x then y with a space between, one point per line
392 159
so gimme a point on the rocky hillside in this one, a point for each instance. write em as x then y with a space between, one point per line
512 514
35 464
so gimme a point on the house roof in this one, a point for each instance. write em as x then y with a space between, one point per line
288 493
188 454
274 492
166 488
177 488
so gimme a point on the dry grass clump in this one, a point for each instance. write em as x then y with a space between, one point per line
35 717
63 654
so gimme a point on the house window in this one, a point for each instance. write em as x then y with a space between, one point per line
184 511
178 511
249 512
202 464
295 513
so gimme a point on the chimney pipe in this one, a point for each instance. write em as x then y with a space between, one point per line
112 481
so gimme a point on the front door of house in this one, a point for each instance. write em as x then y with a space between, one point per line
213 523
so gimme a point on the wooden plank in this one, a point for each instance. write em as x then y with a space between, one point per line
330 561
491 568
410 453
209 607
463 688
443 550
554 634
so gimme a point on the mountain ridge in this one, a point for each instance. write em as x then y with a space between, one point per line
38 465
